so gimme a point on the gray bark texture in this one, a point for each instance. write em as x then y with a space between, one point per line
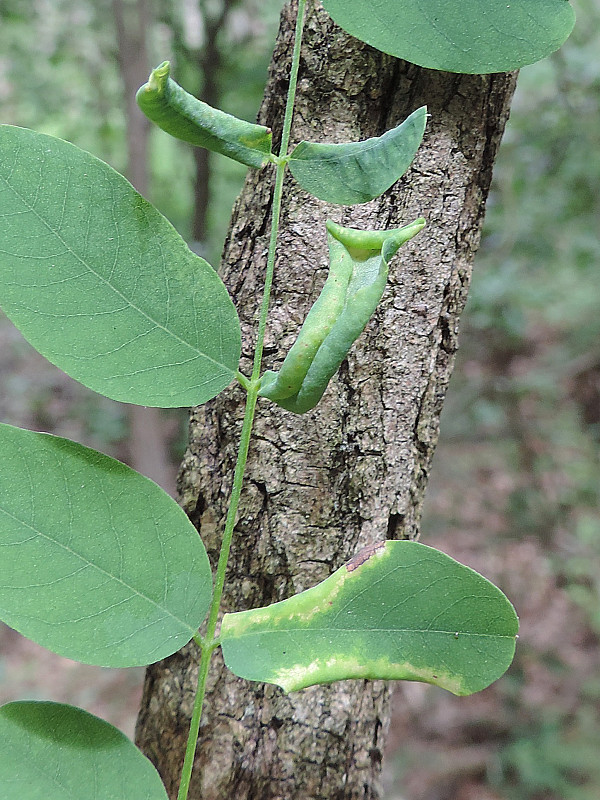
353 471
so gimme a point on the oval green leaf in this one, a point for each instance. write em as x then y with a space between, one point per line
397 610
51 751
97 563
357 172
481 36
101 283
185 117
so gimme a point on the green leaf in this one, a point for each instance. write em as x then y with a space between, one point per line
357 172
97 563
102 285
50 751
397 610
357 276
183 116
479 36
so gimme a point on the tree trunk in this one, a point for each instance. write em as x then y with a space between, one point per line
353 471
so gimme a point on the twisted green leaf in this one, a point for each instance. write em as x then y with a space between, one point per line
357 277
97 563
51 751
357 172
397 610
183 116
102 285
478 36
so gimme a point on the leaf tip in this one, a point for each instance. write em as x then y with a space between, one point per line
156 82
159 75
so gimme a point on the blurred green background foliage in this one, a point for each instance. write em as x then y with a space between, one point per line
515 487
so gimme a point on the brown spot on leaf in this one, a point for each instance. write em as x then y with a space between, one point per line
363 555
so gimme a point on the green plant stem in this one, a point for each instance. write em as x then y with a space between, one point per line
190 751
208 644
278 192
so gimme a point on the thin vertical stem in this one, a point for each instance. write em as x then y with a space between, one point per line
278 192
209 643
190 751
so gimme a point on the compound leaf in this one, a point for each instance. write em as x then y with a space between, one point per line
101 283
481 36
51 751
357 172
97 563
397 610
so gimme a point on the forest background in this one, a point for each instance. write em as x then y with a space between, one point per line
515 489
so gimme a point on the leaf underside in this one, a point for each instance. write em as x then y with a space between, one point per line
357 172
51 751
398 610
97 563
484 36
101 283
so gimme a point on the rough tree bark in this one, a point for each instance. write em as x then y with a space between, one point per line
354 470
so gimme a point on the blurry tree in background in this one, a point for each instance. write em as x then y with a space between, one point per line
517 469
89 60
60 76
148 437
200 38
219 52
206 41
